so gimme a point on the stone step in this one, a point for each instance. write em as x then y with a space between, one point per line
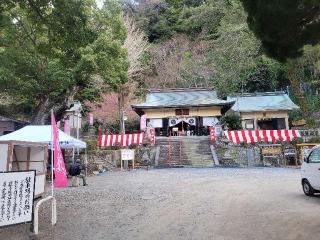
201 160
193 159
185 151
196 156
189 163
187 160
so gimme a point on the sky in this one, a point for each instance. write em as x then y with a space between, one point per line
99 3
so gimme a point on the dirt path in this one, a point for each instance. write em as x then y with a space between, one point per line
235 204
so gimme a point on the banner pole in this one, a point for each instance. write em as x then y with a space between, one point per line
52 149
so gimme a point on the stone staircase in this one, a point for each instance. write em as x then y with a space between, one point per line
191 151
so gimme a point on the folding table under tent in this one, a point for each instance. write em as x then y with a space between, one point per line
25 156
42 134
30 136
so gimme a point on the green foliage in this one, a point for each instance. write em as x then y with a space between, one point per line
50 51
284 26
134 146
234 54
307 67
223 53
295 115
132 125
235 46
311 123
304 74
265 76
232 121
296 141
201 19
162 20
92 145
153 20
313 102
314 140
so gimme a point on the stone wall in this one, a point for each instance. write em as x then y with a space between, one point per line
100 160
238 156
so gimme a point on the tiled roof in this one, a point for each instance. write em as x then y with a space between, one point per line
181 98
270 101
6 119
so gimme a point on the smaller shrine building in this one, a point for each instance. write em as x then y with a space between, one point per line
265 111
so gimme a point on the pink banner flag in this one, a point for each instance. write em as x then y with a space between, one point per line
66 128
58 162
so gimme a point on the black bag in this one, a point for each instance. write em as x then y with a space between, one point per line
75 170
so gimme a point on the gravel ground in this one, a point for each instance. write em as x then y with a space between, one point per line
218 203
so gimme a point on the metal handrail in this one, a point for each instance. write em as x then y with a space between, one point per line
36 213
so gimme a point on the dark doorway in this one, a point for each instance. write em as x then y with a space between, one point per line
182 128
272 124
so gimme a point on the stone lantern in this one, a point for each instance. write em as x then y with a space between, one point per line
75 118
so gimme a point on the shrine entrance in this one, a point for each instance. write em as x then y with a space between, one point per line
182 126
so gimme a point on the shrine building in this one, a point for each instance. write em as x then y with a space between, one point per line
181 112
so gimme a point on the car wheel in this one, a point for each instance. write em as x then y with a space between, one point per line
307 189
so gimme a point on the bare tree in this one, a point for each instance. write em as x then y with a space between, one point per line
179 62
136 44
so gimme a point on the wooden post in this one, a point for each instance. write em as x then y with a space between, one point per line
287 122
169 150
214 155
10 156
121 110
255 124
180 155
28 157
17 161
156 161
121 161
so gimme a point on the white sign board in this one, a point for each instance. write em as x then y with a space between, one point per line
127 154
16 197
218 130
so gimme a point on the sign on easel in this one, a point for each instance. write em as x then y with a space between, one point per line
127 155
16 197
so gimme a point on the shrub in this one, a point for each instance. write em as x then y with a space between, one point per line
117 146
92 145
134 146
232 121
314 140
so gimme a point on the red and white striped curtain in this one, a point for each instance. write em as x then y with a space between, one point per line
253 136
120 139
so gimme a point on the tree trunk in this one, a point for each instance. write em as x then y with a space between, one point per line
42 114
121 110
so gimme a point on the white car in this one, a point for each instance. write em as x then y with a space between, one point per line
310 172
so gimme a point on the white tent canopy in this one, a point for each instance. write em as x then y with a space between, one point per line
42 134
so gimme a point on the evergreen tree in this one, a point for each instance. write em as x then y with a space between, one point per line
285 26
53 51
